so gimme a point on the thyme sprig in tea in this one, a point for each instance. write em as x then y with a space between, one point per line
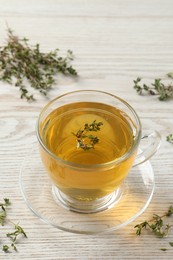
20 62
13 235
158 87
87 141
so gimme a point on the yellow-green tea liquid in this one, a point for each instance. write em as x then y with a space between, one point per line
115 139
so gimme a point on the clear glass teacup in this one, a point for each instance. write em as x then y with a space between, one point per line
88 142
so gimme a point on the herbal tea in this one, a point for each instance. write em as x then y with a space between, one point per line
87 134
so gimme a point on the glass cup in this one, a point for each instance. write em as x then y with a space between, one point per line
88 142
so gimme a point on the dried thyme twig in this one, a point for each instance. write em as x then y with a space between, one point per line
13 235
157 226
158 87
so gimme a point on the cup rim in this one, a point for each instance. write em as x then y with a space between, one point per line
91 166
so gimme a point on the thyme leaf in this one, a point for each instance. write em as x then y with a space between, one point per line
5 248
3 213
163 249
169 138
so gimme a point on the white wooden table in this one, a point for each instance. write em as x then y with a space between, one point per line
114 42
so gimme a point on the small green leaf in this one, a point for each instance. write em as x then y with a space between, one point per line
5 248
7 202
163 249
2 217
14 247
169 139
170 75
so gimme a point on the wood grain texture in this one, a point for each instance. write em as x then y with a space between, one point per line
113 42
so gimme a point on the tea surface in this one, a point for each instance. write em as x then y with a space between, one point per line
115 135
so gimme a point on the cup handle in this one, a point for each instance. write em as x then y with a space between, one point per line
154 140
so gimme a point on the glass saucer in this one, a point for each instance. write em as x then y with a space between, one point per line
36 188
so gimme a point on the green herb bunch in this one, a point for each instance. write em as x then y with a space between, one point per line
20 62
18 230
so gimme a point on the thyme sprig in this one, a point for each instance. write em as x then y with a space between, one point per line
13 235
156 224
20 62
87 141
158 87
